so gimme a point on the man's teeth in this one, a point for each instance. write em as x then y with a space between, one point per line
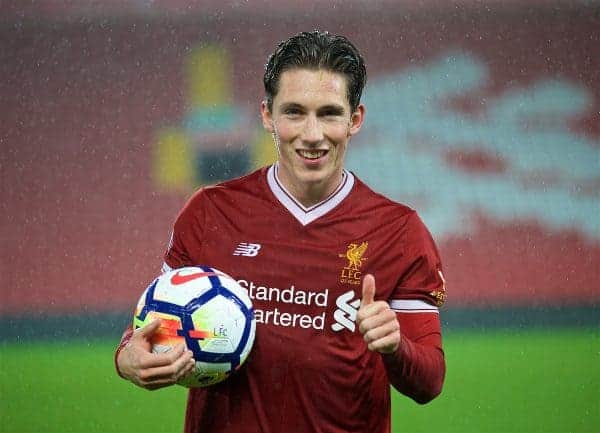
312 154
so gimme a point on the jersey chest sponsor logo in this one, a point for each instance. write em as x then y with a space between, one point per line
275 302
355 255
345 314
247 249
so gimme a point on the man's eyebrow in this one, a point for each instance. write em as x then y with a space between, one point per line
288 105
332 109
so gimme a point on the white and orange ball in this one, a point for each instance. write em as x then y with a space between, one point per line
208 311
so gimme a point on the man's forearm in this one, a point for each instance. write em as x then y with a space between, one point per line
417 370
124 340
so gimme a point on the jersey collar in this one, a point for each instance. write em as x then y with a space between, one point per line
306 215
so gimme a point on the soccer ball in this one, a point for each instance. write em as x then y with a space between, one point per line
206 309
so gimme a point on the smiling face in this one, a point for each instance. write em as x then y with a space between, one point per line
311 122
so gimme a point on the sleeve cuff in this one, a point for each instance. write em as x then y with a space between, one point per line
126 337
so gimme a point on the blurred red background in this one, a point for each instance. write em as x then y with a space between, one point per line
85 89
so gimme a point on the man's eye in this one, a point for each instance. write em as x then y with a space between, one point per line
331 114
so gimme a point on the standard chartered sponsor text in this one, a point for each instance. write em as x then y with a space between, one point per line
290 295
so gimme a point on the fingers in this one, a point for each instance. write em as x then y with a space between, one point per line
167 374
154 370
381 332
150 360
380 315
387 344
368 290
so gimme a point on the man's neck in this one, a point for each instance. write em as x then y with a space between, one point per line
310 194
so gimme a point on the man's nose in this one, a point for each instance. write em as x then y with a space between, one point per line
313 130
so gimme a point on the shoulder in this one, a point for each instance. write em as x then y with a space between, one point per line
229 194
400 222
250 184
378 205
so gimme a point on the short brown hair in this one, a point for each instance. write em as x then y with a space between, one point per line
317 50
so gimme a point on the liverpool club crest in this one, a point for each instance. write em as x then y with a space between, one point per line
351 273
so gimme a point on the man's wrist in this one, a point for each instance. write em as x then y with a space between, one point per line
122 345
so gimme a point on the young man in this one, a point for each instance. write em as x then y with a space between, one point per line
361 274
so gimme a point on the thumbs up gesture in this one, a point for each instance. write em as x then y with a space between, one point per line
376 321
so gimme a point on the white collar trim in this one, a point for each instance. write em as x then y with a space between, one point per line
306 215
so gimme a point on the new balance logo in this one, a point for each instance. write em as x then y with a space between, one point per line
345 315
247 249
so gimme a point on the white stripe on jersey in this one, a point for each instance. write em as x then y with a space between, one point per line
166 268
412 306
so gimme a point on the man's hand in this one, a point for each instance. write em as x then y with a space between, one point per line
376 321
150 370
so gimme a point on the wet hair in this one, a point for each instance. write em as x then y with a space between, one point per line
317 50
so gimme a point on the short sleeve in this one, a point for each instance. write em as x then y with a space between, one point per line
421 287
186 234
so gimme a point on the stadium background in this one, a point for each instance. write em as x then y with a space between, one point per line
485 116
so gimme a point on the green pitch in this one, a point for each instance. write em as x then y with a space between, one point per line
498 381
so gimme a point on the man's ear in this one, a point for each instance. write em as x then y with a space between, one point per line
356 120
267 119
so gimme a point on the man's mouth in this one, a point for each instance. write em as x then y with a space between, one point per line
311 154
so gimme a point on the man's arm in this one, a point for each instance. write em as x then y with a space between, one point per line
417 368
410 344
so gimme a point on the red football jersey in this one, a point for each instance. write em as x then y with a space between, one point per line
310 369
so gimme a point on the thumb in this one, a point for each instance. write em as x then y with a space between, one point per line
368 290
149 329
